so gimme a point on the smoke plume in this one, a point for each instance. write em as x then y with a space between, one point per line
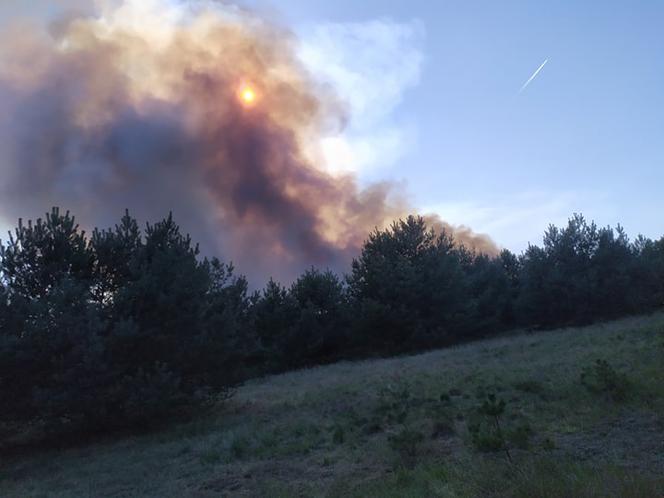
204 110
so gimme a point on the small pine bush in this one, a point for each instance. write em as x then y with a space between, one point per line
602 378
406 443
487 431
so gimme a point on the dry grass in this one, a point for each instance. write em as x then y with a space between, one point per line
320 432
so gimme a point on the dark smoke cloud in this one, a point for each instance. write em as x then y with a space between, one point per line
115 111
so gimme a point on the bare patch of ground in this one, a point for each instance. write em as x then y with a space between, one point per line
633 440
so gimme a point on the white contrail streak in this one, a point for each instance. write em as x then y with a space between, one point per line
533 76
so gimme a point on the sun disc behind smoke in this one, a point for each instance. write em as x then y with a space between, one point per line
247 95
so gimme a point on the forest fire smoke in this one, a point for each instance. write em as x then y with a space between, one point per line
204 110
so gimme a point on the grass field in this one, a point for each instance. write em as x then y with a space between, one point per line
400 428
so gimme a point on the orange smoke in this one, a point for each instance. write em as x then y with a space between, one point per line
204 110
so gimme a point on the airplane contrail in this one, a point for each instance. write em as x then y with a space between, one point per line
533 76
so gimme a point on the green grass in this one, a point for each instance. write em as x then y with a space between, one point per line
340 430
542 478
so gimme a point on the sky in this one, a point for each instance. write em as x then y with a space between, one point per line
584 136
433 90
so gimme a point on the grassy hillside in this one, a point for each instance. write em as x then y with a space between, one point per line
400 427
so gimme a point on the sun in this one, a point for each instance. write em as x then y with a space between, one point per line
247 95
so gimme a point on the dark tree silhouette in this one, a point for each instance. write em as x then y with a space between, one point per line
129 325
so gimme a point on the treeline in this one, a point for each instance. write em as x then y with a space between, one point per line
127 325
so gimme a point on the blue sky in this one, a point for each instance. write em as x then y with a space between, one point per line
585 136
435 93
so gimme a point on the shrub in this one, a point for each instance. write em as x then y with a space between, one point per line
602 378
396 403
520 436
485 430
406 442
338 435
529 386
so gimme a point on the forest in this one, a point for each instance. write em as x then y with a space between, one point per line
127 327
